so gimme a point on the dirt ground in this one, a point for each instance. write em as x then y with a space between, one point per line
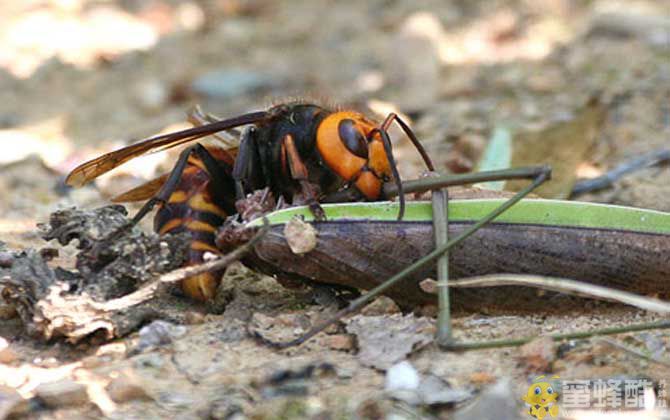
79 78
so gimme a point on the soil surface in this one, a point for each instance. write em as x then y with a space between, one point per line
79 78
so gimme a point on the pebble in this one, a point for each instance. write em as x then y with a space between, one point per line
127 387
648 27
383 305
63 393
11 403
402 376
6 259
341 342
149 361
7 355
480 378
158 333
93 362
300 236
193 318
279 329
7 312
112 349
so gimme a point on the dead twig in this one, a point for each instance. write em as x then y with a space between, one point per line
656 157
565 286
441 229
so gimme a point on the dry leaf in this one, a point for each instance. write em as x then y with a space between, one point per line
387 339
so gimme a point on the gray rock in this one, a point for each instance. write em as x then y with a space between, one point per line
63 393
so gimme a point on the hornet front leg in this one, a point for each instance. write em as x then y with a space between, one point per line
299 173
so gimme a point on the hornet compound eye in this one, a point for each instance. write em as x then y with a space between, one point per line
352 138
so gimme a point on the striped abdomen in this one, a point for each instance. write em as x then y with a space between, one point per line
197 207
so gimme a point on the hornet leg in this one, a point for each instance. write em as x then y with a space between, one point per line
299 173
247 172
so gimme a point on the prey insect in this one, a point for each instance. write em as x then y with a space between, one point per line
303 153
596 250
268 256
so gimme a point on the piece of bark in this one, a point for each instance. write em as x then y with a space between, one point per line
102 294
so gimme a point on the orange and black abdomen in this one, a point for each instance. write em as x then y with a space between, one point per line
199 205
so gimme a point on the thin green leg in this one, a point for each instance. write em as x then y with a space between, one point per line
441 228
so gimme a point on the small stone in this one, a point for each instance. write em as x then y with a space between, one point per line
402 376
300 236
11 403
225 409
158 333
149 361
382 305
279 329
6 259
112 349
7 355
538 354
49 363
340 342
372 409
428 310
127 387
93 362
193 318
7 312
481 378
63 393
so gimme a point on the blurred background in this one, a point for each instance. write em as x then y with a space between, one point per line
583 85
